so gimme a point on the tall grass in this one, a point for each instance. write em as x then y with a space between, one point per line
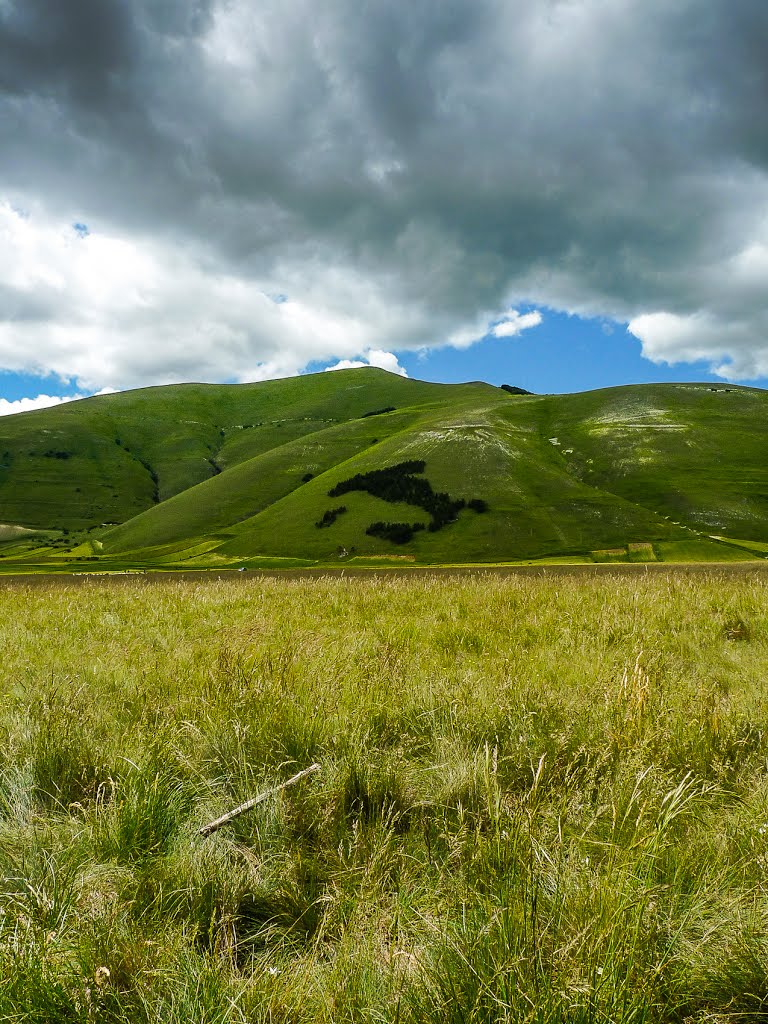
540 801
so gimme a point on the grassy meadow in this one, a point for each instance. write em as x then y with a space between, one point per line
540 800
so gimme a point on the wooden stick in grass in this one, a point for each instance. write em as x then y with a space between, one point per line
213 826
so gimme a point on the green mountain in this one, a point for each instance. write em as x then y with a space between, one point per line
209 474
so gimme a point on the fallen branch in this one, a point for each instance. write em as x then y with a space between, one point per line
213 826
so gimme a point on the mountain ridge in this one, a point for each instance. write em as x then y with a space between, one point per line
243 471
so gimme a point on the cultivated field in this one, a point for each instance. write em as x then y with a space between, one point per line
539 800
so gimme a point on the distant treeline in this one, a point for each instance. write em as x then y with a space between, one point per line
378 412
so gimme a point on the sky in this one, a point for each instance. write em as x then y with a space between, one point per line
553 194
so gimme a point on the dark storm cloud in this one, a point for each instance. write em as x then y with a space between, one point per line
76 48
450 156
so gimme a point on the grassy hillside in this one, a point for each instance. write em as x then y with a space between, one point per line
233 472
534 507
561 474
696 453
105 459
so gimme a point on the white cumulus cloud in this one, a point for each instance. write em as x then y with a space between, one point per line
734 347
508 325
8 408
117 312
515 323
373 357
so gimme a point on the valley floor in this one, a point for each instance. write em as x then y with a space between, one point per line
42 575
539 799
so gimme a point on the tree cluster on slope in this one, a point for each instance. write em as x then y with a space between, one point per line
400 483
378 412
329 517
398 533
